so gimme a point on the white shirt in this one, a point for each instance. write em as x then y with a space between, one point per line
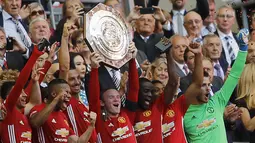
205 31
145 38
181 67
118 74
175 23
11 29
224 44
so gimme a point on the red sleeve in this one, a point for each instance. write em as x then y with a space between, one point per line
132 98
180 104
34 110
22 79
46 67
94 95
133 82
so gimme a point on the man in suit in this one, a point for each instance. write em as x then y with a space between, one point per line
225 19
213 48
193 25
179 44
208 23
178 12
14 27
38 29
144 37
217 82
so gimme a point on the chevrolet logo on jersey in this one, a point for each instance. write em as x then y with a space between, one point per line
142 125
62 132
167 127
120 131
206 123
26 135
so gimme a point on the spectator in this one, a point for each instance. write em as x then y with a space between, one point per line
37 10
158 70
178 12
39 29
245 95
12 23
179 44
208 23
3 42
225 19
71 11
204 121
213 49
144 37
251 53
79 45
193 25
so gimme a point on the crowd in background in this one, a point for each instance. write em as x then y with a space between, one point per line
200 89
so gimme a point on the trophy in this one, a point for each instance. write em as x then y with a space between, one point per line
107 33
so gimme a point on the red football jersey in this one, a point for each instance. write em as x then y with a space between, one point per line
77 115
15 128
117 130
148 123
172 125
56 128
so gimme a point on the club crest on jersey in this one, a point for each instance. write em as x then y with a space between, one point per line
170 113
122 120
142 125
62 132
147 113
120 131
206 123
26 135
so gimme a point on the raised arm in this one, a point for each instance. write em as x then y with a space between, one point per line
45 69
172 84
37 119
35 97
22 79
84 138
225 93
94 87
132 97
197 77
64 59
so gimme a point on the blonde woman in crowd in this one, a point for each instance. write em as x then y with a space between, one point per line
158 71
246 98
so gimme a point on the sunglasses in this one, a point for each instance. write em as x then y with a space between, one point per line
40 12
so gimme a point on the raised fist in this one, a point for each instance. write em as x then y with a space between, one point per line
243 36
